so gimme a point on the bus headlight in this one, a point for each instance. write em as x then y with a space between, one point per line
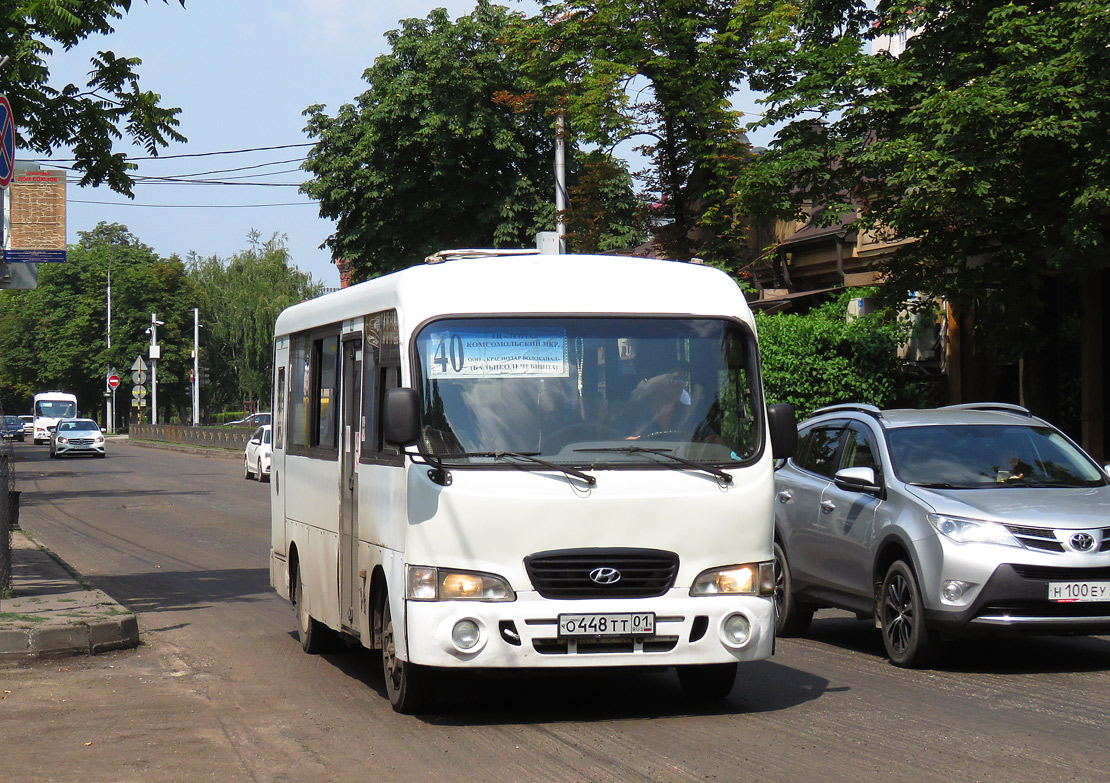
746 579
426 583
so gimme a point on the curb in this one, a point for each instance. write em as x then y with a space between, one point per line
52 614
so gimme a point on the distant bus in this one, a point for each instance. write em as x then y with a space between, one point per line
48 408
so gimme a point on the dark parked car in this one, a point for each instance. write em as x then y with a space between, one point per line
11 428
977 518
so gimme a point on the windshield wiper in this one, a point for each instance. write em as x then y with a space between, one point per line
944 485
529 458
710 469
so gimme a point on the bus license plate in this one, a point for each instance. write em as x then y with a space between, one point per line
624 624
1078 592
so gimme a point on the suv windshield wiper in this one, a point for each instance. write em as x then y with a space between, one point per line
710 469
529 458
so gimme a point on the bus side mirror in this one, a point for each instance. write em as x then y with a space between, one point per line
401 417
783 428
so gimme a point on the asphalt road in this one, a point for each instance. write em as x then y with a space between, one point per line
220 689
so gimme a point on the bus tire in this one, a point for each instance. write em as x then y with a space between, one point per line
406 684
315 636
707 681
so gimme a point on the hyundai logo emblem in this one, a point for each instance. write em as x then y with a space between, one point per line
1082 542
605 576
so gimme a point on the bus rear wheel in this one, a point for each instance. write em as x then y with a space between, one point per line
407 684
315 636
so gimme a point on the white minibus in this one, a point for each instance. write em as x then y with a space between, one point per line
505 460
48 408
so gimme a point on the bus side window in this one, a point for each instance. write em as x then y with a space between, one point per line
390 378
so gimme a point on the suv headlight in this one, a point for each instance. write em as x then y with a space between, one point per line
972 531
746 579
426 583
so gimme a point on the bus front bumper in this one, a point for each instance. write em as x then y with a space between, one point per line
525 633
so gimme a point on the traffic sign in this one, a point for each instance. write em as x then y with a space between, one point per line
138 396
113 380
7 142
138 364
138 377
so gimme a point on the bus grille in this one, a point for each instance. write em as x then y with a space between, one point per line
617 573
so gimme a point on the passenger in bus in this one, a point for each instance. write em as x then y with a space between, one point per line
662 402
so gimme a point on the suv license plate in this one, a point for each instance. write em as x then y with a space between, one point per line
625 624
1078 592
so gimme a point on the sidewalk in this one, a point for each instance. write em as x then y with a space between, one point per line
50 613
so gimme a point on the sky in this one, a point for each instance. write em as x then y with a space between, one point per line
242 72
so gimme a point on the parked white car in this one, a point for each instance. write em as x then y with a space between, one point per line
258 454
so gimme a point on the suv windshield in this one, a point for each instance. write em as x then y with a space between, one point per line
976 456
571 390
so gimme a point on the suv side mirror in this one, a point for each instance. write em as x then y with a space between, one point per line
857 480
401 417
783 429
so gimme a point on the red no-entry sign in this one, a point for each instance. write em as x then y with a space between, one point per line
113 381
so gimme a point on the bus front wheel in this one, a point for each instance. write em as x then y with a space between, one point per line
406 683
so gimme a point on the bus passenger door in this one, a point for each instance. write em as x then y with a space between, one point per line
351 391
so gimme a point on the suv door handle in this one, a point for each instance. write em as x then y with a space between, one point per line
786 496
827 506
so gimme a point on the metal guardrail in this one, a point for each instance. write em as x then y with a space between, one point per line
231 438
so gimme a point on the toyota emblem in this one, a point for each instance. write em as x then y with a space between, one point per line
1082 542
605 576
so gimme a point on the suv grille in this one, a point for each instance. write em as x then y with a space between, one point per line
644 573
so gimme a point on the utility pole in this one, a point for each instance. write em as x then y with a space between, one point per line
560 181
196 366
155 355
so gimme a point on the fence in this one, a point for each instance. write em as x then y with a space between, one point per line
231 438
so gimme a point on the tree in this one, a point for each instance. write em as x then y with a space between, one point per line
240 299
426 159
90 119
437 153
985 141
55 336
663 70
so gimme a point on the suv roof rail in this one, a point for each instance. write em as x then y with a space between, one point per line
1006 407
455 255
858 407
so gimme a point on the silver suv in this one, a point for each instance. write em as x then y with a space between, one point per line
939 523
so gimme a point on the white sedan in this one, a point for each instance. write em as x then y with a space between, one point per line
257 454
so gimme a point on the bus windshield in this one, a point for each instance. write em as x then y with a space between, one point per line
589 391
55 409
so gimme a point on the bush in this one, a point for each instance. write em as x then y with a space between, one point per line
820 359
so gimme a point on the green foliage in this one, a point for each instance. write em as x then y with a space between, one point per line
240 299
427 159
820 359
661 71
54 337
985 140
604 213
89 119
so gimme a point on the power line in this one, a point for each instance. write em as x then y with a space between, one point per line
200 154
193 206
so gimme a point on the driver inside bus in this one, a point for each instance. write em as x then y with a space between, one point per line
662 402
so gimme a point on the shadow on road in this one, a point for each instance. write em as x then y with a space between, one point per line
186 590
489 698
984 655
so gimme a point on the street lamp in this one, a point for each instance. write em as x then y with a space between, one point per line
155 355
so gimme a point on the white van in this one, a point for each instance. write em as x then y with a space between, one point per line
507 460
